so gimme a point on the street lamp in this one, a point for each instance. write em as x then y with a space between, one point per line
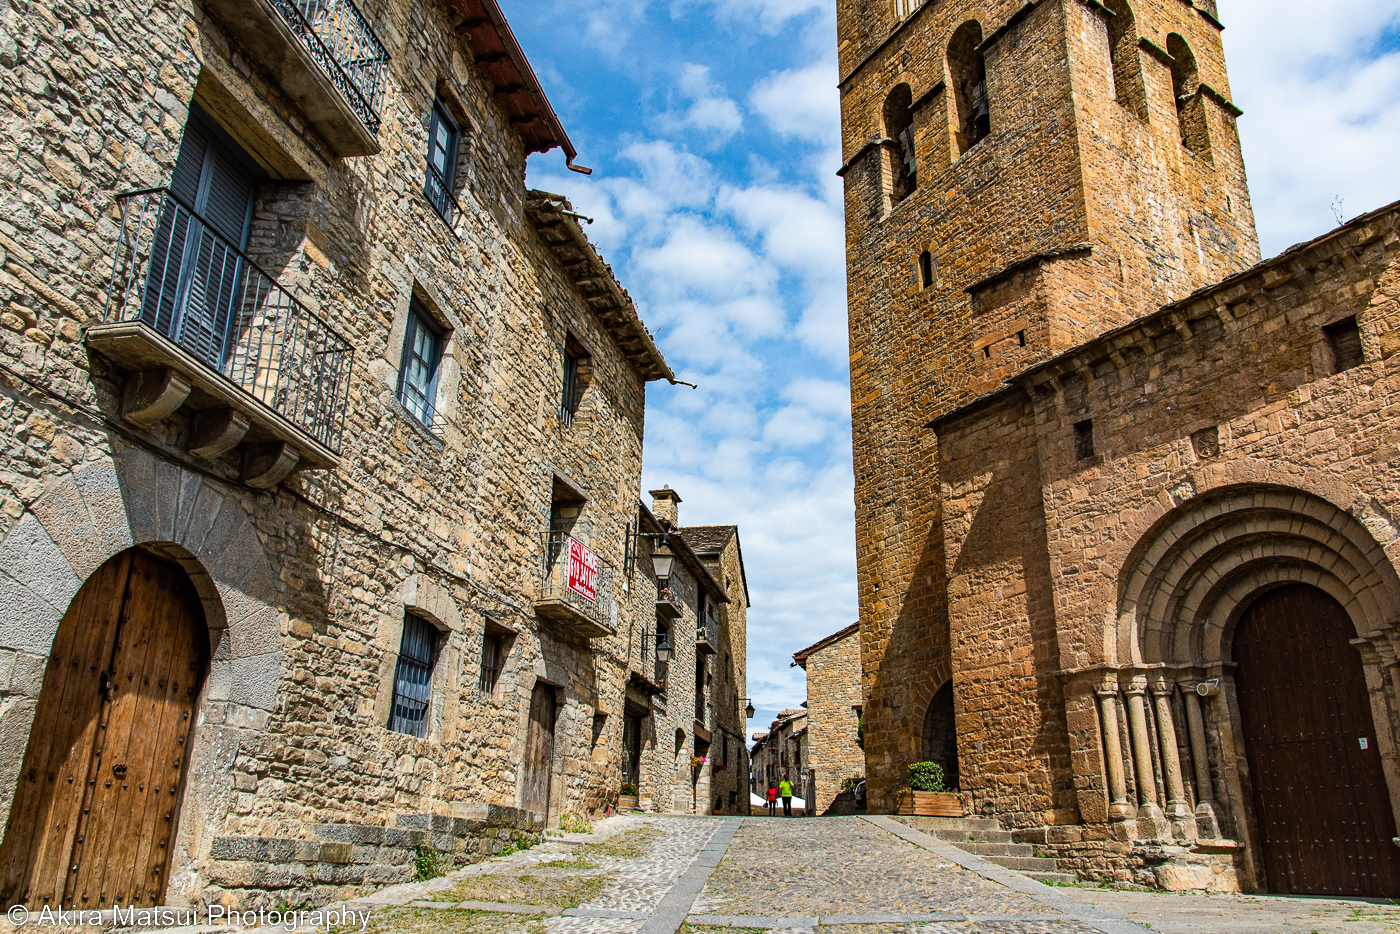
748 708
662 560
663 648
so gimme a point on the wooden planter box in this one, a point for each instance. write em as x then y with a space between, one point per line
930 804
627 802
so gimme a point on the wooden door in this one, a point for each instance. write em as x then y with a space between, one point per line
94 815
1320 799
539 750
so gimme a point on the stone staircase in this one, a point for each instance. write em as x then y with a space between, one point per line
984 837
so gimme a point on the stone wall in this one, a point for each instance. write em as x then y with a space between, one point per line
305 585
1235 441
833 714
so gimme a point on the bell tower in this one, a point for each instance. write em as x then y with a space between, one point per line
1019 178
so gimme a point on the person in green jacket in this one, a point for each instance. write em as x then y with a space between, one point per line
785 792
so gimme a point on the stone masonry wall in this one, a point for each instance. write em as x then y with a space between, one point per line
447 522
833 705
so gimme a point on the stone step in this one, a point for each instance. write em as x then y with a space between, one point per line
991 850
971 836
963 825
1054 878
1024 863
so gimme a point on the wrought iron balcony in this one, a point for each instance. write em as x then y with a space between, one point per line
325 55
572 593
707 635
648 675
197 324
440 196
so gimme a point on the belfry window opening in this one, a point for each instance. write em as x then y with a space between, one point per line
899 128
968 71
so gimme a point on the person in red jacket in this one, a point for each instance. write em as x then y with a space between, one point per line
772 799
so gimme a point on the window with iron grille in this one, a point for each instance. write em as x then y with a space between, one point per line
493 659
413 676
569 399
442 162
422 357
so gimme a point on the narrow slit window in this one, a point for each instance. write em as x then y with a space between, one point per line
925 269
569 397
413 676
1084 439
1021 338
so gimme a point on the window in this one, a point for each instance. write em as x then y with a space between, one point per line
969 84
1124 60
899 127
442 162
1344 337
493 659
903 8
569 397
418 371
1186 87
413 676
925 269
1084 439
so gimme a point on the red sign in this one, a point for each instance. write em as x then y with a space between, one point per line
583 571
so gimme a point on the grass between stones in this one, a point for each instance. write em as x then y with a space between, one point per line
630 844
544 889
688 928
445 921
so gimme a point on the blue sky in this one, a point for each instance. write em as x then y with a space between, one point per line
713 129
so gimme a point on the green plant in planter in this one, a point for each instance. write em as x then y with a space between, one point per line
926 776
628 788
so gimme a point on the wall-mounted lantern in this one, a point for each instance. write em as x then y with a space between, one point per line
748 708
662 560
663 649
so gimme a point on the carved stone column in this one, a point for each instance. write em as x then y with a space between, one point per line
1118 808
1178 808
1207 821
1142 753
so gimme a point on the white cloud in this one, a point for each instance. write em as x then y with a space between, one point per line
1322 110
710 110
769 15
801 103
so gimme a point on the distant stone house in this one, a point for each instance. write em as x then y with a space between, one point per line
834 709
683 739
782 752
319 432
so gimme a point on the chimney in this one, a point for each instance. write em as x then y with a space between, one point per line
665 505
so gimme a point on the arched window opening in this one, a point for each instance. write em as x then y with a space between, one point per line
925 269
1186 88
968 71
1123 55
899 127
902 8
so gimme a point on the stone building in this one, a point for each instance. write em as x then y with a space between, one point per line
321 459
1124 494
683 741
782 752
834 707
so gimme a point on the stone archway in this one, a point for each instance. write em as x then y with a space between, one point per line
1168 713
100 510
940 734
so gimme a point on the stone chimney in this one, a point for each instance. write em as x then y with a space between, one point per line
665 505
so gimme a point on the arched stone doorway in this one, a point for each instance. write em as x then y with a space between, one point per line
940 738
1321 807
1175 748
93 819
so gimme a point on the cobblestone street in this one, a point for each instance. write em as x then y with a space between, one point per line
843 875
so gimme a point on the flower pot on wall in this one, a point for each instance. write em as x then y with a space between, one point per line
930 804
627 802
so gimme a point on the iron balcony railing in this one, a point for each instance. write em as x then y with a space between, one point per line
707 633
440 196
176 274
647 663
340 39
554 583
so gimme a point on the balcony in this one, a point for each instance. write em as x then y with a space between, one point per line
566 581
668 601
648 675
325 55
195 324
707 636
